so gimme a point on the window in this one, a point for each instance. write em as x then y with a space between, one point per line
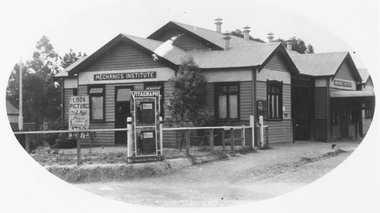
274 99
227 101
96 103
160 87
75 91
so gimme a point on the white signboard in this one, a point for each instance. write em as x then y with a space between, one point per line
79 113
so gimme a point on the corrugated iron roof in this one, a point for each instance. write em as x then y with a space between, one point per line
175 55
319 64
364 74
246 56
215 37
11 110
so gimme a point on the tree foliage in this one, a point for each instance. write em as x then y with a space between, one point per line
240 34
187 104
41 96
298 45
70 57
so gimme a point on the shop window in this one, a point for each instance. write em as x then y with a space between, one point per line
96 103
227 101
274 99
160 87
368 113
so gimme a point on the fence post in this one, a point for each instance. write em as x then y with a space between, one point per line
44 128
129 140
266 137
223 140
243 136
187 141
211 139
27 147
232 140
261 122
78 149
161 138
252 124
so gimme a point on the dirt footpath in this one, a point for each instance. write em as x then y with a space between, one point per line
241 179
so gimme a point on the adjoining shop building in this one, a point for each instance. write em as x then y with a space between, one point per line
244 78
328 99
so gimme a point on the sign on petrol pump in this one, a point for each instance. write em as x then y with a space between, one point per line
146 108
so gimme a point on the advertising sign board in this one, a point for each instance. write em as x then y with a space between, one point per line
79 113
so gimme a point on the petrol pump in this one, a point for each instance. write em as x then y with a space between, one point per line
144 137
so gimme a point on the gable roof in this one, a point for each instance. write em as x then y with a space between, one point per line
364 75
323 64
213 38
247 56
11 110
243 53
146 45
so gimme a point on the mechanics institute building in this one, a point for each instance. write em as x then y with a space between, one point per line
300 96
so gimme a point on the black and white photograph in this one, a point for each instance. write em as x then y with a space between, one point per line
177 105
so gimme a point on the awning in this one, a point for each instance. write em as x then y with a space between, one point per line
351 94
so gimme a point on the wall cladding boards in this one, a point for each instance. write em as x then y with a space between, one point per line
121 57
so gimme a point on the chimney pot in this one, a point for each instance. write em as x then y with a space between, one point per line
289 44
218 23
227 38
246 31
270 37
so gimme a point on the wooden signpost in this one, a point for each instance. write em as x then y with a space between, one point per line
79 118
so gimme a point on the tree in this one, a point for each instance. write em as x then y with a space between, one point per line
187 105
70 57
41 99
298 45
240 34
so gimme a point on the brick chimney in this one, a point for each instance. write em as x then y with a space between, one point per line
246 31
270 37
218 23
227 38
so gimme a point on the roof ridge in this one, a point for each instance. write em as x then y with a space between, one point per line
176 22
213 31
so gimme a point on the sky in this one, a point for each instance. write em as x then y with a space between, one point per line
84 25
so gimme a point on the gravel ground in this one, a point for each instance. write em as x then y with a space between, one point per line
241 179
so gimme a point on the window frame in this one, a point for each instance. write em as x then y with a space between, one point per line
275 84
228 93
97 95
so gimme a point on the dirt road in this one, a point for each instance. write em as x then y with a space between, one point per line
239 180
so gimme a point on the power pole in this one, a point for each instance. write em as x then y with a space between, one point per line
20 117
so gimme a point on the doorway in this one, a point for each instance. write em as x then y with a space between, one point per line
122 111
301 112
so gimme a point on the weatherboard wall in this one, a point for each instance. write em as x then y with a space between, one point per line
276 70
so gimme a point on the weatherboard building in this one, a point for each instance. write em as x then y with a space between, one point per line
300 96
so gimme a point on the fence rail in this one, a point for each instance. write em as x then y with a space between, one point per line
210 134
70 131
